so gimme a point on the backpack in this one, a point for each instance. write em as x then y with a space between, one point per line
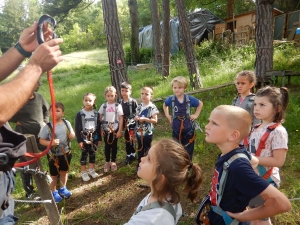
250 103
205 206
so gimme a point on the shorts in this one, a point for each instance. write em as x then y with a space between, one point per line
63 165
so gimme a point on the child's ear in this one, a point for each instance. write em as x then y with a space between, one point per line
235 135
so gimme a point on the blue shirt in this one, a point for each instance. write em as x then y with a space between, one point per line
180 110
242 185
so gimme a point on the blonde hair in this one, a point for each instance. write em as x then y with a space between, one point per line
249 74
181 81
237 118
149 88
110 89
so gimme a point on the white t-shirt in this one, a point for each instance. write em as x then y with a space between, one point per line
89 119
156 216
111 113
277 139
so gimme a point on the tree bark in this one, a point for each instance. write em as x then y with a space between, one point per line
114 44
230 8
156 35
134 40
166 39
191 60
264 37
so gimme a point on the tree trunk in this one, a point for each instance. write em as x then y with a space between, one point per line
156 35
134 40
188 45
230 8
166 39
264 37
114 44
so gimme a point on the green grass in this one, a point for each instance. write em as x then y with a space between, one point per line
83 72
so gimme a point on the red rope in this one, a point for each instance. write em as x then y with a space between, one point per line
37 156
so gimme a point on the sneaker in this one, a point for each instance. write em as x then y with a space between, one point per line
106 167
93 174
56 196
131 159
113 166
85 176
127 160
64 192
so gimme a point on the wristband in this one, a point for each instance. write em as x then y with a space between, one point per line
22 51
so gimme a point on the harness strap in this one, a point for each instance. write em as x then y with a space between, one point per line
188 107
227 219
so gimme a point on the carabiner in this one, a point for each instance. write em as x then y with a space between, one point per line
42 20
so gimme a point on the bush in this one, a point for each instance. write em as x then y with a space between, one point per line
146 55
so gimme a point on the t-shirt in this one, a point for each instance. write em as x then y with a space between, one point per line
143 111
126 107
156 216
277 139
60 133
111 113
242 185
180 110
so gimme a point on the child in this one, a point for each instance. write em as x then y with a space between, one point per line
227 126
269 106
146 116
244 82
111 118
165 177
129 106
59 157
182 120
87 130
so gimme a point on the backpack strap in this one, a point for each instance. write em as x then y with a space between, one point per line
153 205
251 101
188 106
264 138
234 100
130 108
217 209
82 119
173 105
116 112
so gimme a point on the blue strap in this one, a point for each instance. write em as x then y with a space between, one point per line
262 171
227 219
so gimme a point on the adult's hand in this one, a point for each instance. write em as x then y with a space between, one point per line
47 55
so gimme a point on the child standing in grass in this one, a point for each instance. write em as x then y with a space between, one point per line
182 120
244 83
59 157
268 140
166 168
87 130
129 106
227 126
111 118
146 116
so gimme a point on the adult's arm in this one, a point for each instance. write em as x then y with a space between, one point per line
16 93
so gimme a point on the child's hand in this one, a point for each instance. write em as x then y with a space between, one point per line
102 133
169 117
136 118
55 142
71 136
80 144
99 143
238 216
193 117
119 134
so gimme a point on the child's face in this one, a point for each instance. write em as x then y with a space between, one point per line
110 97
178 89
243 85
59 113
125 92
88 101
146 95
217 129
146 169
263 109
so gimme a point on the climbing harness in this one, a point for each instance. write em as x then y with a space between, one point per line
266 175
107 127
40 37
205 206
89 135
249 106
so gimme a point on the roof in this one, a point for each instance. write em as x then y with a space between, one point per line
275 11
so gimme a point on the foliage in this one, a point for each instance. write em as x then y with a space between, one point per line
146 55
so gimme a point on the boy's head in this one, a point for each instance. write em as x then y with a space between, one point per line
60 110
181 81
126 89
228 124
146 94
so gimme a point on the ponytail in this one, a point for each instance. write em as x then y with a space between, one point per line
193 181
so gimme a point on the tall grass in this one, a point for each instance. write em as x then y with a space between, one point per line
218 63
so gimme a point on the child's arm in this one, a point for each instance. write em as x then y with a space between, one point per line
101 130
277 160
152 120
254 161
166 111
119 133
45 142
276 202
198 111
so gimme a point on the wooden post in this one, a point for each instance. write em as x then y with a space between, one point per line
42 185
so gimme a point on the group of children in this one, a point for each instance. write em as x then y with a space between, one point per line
252 158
